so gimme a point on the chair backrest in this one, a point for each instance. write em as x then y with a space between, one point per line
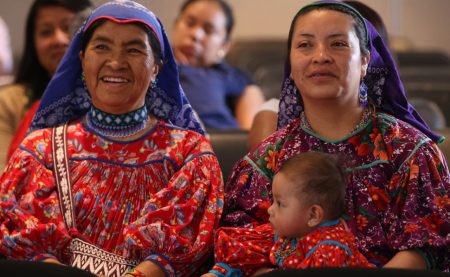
430 112
229 146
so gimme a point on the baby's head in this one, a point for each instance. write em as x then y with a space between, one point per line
307 190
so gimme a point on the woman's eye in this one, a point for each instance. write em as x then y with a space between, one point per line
303 45
339 44
100 47
134 51
45 33
278 203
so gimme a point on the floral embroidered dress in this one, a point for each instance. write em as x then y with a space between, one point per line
158 197
397 194
246 250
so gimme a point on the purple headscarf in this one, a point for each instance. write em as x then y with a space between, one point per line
385 88
66 97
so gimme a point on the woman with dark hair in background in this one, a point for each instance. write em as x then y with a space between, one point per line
201 39
46 40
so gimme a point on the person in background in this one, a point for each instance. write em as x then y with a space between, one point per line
305 228
25 123
201 39
6 57
118 177
265 120
46 40
342 95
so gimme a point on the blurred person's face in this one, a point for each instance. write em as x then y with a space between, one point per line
118 66
200 36
326 60
51 36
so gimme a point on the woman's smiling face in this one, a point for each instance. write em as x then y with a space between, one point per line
118 65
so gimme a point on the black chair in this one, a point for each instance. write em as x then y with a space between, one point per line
229 146
25 269
353 272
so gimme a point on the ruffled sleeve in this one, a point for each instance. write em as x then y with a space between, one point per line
31 227
176 226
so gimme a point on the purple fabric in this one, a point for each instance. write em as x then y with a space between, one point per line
384 88
66 98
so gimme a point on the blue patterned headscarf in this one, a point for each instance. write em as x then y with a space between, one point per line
382 80
66 97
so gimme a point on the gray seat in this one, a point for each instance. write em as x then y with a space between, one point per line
229 147
430 112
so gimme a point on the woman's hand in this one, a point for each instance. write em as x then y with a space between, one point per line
52 261
262 270
209 274
408 259
149 269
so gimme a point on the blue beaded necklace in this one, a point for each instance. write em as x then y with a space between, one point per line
121 125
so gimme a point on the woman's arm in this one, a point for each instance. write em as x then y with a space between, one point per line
247 106
407 259
178 222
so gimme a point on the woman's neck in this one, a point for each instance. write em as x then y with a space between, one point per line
333 122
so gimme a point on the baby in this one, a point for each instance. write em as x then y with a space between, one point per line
305 228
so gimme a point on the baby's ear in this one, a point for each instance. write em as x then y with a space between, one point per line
316 215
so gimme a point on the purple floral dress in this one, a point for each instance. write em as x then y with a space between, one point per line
397 194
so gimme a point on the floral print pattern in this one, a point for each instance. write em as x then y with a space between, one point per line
159 194
250 249
397 193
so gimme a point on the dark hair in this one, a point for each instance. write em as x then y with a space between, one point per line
321 178
30 71
360 28
153 40
226 8
372 16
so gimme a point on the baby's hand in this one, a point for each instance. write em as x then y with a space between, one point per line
209 274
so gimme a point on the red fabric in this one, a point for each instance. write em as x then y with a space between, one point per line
22 130
250 249
161 193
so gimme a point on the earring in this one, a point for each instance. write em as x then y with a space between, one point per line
153 84
221 53
363 89
83 80
310 223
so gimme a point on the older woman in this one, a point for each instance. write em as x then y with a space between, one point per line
342 95
126 180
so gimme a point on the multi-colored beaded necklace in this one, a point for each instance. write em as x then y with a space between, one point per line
122 125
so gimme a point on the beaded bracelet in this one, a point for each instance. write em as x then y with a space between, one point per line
134 272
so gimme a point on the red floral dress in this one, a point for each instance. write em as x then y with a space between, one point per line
158 197
397 190
247 249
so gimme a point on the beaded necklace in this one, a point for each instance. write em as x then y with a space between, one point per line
122 125
367 113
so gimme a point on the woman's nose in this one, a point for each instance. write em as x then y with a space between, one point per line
321 54
61 36
116 60
197 33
